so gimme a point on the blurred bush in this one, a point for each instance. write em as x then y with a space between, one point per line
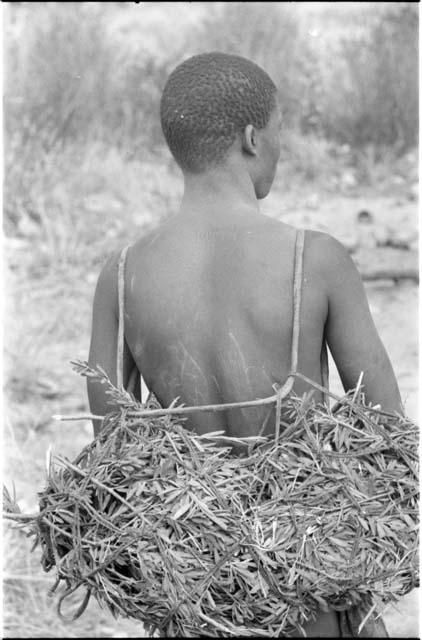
66 80
372 96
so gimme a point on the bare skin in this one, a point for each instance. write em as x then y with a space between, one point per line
209 306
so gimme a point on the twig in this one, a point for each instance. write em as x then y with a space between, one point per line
157 413
88 416
24 517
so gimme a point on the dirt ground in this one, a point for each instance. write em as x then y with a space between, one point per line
43 385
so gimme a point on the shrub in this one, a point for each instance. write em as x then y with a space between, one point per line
372 94
70 81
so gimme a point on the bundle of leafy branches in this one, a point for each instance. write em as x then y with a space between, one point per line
168 527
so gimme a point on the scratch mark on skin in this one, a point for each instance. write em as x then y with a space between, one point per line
138 349
271 382
248 413
189 356
175 349
153 239
243 361
187 360
132 282
216 384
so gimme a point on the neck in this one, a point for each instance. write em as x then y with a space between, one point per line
222 194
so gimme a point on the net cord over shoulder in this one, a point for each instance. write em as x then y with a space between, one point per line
121 324
135 377
297 298
297 301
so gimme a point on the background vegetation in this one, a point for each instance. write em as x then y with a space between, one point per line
86 169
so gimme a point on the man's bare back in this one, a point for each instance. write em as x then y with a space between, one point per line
209 316
209 311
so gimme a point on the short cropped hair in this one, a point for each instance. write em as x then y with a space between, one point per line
207 101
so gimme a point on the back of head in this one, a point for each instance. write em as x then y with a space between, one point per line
208 100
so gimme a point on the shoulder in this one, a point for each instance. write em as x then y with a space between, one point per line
106 292
328 257
108 271
325 245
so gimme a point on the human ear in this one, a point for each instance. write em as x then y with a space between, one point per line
249 140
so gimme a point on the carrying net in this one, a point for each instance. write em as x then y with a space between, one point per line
170 528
